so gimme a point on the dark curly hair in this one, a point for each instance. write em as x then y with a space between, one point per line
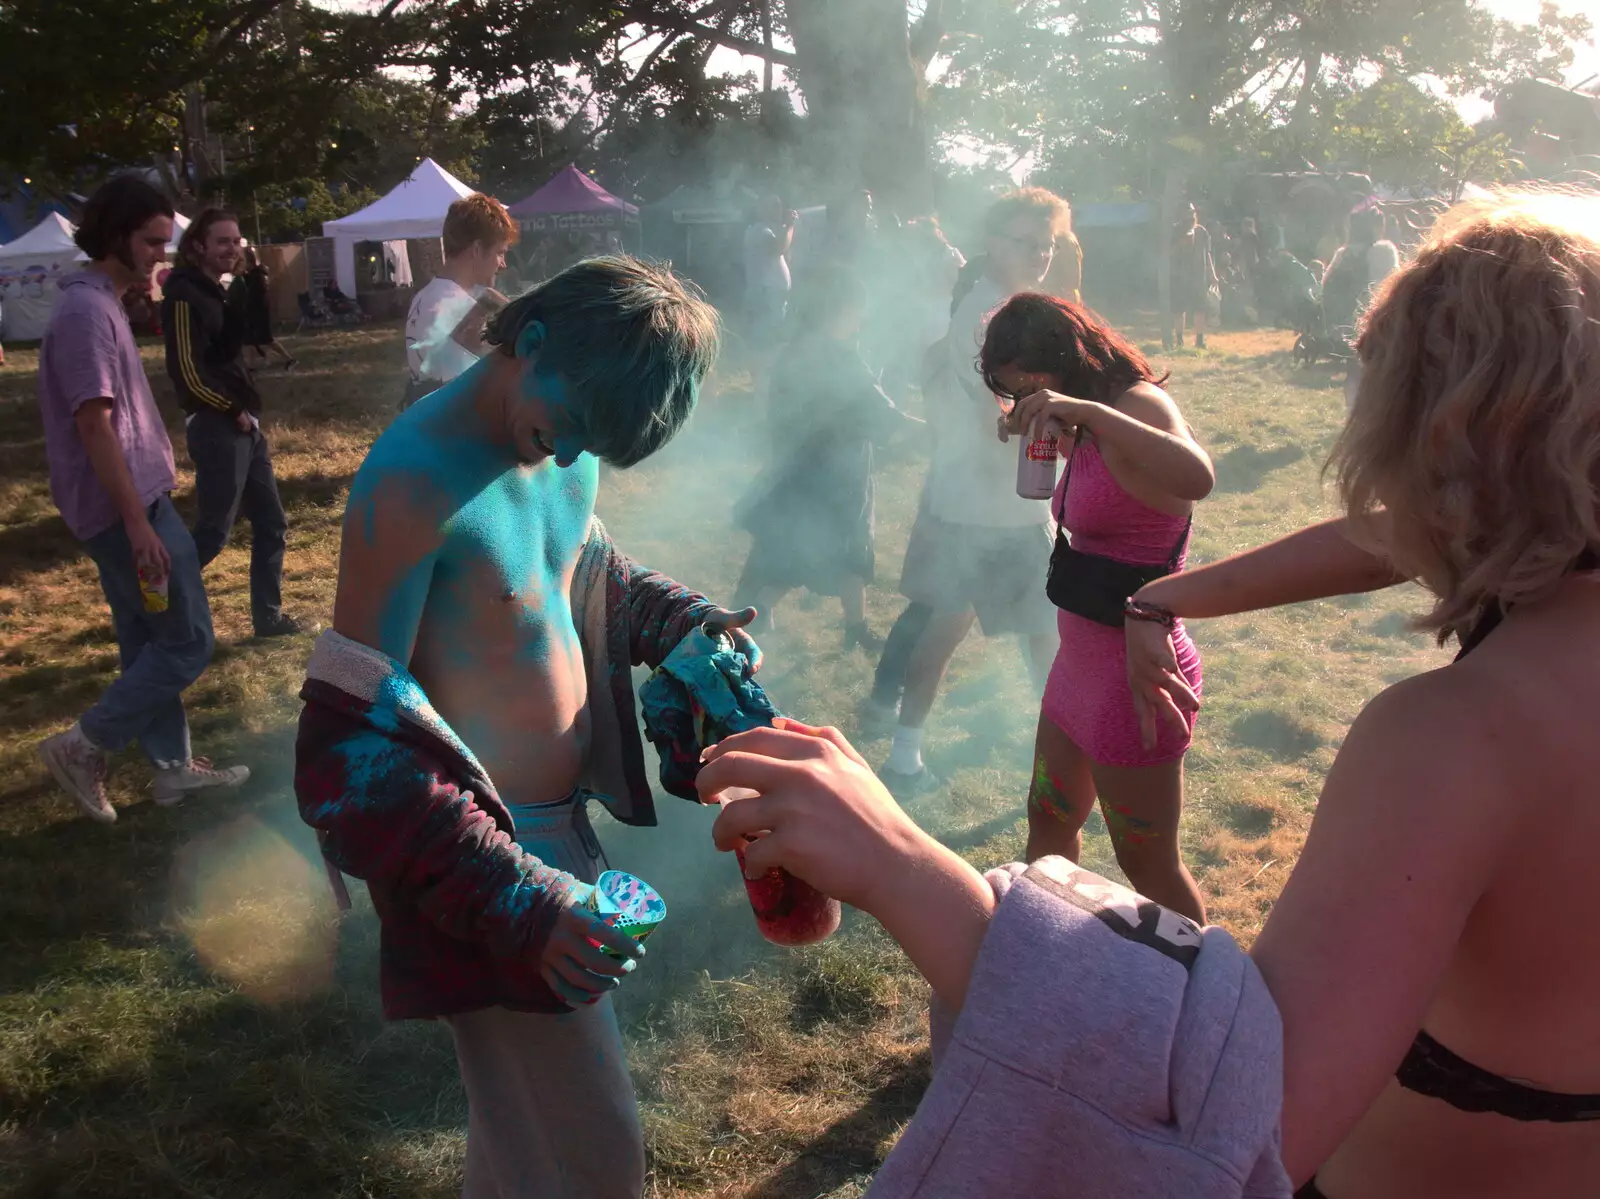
1044 335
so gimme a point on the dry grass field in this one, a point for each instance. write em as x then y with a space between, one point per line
184 1014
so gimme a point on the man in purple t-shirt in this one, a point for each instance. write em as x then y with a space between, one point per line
110 475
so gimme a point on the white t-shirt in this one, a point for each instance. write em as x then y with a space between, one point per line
942 270
973 476
436 310
1383 260
764 270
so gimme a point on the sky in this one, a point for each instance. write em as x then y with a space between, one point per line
1526 12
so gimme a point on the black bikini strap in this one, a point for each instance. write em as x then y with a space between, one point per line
1489 619
1183 540
1433 1070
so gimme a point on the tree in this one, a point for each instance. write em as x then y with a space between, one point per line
182 90
590 69
295 210
1207 79
1400 134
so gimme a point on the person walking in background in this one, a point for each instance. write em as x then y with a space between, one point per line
1124 508
1193 275
767 276
1355 270
444 329
975 547
1065 278
811 512
111 474
232 463
248 296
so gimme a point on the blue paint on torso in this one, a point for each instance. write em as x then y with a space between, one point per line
520 526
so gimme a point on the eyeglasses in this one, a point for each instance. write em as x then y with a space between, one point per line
1032 245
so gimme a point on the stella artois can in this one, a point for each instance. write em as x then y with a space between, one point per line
1036 464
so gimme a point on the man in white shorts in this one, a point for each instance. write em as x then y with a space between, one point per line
978 551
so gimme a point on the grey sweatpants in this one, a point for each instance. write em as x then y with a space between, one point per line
551 1112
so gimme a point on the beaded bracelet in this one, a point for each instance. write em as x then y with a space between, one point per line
1134 609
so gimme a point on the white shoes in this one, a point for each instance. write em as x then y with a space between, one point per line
80 768
875 719
198 774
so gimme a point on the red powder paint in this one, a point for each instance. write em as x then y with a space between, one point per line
789 911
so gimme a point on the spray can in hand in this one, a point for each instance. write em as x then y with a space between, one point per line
1036 462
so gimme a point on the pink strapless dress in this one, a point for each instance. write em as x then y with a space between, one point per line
1087 696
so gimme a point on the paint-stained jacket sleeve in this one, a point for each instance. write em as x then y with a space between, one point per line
660 612
394 811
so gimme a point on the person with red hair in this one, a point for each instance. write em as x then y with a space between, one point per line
1133 473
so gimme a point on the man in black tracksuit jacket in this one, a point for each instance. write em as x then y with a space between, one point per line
232 466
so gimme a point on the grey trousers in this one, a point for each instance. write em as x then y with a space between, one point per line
551 1112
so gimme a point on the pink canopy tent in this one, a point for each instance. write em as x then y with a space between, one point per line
573 201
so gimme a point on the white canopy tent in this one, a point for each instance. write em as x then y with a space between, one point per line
29 270
415 208
179 224
31 266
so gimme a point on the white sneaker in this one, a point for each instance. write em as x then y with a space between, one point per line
80 768
197 774
875 719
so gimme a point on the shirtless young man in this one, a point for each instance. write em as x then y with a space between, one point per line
483 630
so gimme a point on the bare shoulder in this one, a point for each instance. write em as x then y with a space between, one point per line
1150 404
1443 741
396 511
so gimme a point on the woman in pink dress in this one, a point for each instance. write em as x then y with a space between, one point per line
1132 472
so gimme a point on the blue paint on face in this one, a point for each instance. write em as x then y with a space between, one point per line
560 410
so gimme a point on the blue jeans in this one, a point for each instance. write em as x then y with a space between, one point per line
162 652
233 478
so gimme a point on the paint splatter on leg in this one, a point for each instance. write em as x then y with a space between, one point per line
1125 827
1048 796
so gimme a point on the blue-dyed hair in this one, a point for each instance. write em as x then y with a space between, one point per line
630 339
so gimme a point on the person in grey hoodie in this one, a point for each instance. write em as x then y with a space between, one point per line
1087 1042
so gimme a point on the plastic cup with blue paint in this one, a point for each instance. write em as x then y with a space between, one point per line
628 904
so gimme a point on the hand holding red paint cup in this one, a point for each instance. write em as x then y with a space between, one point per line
789 911
802 800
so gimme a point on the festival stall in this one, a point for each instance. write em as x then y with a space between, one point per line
30 268
414 209
701 230
32 265
572 217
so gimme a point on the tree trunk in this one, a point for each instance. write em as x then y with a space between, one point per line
196 145
1308 89
863 95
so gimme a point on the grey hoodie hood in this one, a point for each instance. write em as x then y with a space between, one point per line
1108 1048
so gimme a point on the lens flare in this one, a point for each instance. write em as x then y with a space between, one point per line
259 913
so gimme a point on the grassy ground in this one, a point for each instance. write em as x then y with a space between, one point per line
183 1014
